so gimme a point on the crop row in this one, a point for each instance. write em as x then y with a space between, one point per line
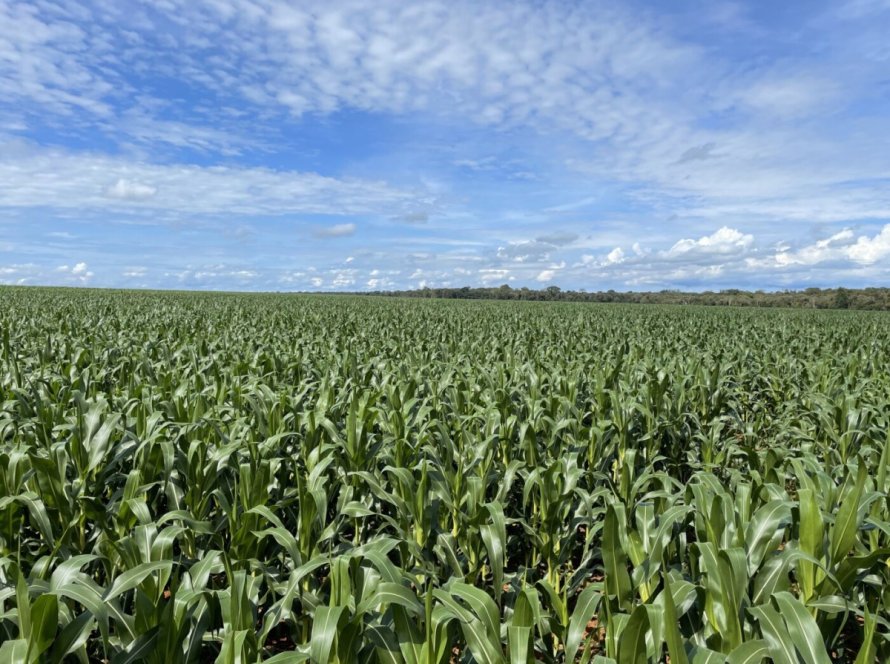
236 478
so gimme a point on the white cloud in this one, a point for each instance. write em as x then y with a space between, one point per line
129 190
526 251
23 273
546 275
489 275
724 241
493 62
790 96
137 124
615 256
504 63
379 282
550 75
80 273
49 63
483 164
37 177
289 277
868 251
343 278
845 234
837 249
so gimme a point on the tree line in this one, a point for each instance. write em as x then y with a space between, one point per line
810 298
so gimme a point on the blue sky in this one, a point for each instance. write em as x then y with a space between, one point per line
345 145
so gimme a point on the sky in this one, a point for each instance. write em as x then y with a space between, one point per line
373 145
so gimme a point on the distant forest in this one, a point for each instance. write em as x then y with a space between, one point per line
810 298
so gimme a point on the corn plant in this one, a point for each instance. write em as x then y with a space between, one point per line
271 478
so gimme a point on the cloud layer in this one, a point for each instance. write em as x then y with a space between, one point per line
261 143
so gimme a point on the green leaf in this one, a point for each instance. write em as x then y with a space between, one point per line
632 643
846 522
324 631
494 537
135 576
811 534
671 625
867 651
519 640
585 609
14 651
72 636
484 645
44 622
482 605
765 531
617 579
781 647
23 604
750 652
702 655
233 647
139 650
804 632
391 593
294 657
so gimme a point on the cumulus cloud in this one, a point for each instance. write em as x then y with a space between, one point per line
724 241
80 273
615 256
869 250
837 249
22 273
343 278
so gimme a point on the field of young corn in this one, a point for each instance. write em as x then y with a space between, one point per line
272 478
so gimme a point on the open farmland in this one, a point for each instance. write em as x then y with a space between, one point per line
246 478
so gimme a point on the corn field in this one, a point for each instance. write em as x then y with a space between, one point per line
272 478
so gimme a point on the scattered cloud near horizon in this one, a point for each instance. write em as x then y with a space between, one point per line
263 145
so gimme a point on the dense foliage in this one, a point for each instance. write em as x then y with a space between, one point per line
248 478
874 299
